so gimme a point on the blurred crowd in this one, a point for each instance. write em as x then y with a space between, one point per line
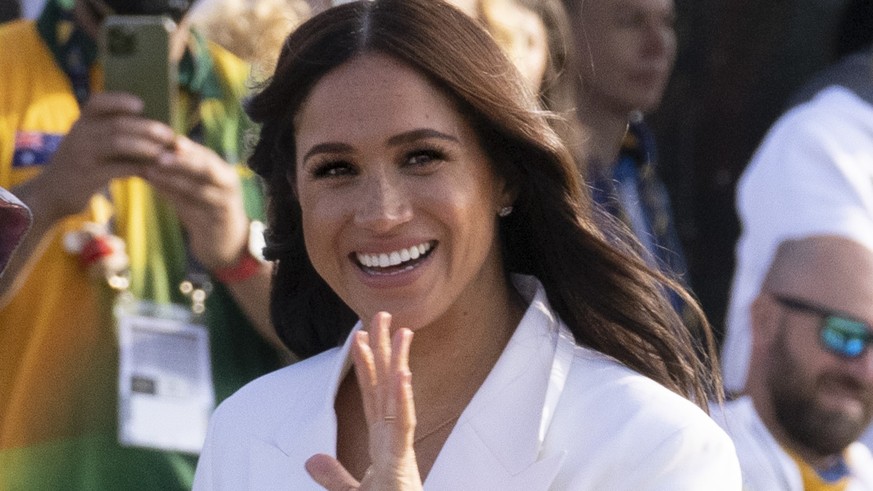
792 332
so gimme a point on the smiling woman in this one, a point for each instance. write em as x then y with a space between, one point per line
412 175
417 189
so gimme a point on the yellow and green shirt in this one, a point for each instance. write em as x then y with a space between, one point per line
837 478
58 353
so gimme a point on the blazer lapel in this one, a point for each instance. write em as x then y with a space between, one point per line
497 442
278 461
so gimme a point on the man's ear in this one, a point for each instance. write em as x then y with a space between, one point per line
764 315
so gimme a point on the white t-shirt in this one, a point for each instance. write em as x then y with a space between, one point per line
30 9
765 465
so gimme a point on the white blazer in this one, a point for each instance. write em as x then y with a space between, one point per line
550 415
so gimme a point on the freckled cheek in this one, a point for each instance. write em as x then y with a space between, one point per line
322 231
471 220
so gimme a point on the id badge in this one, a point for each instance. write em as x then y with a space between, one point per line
165 377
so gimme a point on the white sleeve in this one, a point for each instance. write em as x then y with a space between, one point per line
698 456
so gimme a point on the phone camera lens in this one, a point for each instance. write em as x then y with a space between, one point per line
120 41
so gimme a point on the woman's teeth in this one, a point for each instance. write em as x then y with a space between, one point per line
394 258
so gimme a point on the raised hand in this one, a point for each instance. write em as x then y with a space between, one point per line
382 369
207 195
111 139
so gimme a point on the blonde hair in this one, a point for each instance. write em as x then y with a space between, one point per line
254 30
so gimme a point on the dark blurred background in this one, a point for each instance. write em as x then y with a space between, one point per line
738 62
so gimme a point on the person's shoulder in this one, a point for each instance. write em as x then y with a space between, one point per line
20 27
833 105
625 396
23 35
737 417
621 428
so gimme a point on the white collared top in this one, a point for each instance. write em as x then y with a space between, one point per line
766 466
550 415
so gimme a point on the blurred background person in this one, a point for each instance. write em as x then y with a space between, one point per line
811 174
253 30
134 226
536 35
810 390
624 54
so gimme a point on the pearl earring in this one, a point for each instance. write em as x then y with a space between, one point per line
505 211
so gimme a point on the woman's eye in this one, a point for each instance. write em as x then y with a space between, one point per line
424 157
333 169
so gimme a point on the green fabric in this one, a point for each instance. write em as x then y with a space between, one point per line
197 70
57 11
94 462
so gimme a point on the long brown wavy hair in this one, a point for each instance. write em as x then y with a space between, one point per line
601 288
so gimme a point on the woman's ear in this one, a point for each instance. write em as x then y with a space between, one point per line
508 194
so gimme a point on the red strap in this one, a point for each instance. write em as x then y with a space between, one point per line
246 267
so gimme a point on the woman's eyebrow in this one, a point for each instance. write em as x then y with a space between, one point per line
419 134
402 138
328 147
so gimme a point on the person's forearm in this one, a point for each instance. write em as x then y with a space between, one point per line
253 297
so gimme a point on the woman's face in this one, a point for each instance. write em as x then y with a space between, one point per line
398 198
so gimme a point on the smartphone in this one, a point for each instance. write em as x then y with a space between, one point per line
135 53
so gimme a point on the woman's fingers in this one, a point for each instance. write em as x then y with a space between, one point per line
402 384
391 412
380 343
382 369
330 473
365 371
385 381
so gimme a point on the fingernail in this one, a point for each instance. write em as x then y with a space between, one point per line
182 143
361 336
166 158
137 104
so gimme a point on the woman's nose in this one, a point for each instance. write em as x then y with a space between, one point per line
383 204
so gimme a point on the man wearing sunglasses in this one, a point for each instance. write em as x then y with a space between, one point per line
809 394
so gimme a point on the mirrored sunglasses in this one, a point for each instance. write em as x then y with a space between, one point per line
839 333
